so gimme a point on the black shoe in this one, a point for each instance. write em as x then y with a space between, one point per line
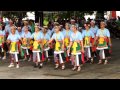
55 68
35 66
40 65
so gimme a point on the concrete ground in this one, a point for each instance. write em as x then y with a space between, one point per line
94 71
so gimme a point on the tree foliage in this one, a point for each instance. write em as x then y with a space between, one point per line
14 14
68 14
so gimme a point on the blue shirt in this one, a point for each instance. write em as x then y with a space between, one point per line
53 30
20 33
37 36
102 33
6 22
13 38
16 32
58 36
49 32
88 33
76 36
26 35
2 32
46 36
67 33
75 24
83 30
94 29
63 29
8 28
29 27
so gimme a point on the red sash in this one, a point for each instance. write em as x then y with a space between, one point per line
7 34
107 40
93 47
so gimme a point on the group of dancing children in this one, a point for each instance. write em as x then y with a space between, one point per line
68 44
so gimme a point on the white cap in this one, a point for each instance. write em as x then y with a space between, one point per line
93 21
72 20
80 27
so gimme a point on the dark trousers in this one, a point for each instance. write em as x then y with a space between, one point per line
80 59
107 54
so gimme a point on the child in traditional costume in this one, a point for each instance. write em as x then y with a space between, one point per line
103 42
59 47
8 28
19 29
13 40
37 47
19 32
76 47
46 38
7 32
2 39
26 24
88 40
94 28
27 53
67 32
73 22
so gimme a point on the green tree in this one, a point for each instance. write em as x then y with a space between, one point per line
100 14
14 14
69 14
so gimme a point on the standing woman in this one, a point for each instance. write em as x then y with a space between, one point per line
19 30
46 38
2 42
88 37
37 47
8 28
26 44
59 47
7 32
67 32
76 47
13 40
26 24
102 41
94 28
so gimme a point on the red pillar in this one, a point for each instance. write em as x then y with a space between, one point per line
114 14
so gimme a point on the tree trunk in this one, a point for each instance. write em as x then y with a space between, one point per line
19 19
100 15
41 18
37 17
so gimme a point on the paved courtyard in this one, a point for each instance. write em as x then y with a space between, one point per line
94 71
